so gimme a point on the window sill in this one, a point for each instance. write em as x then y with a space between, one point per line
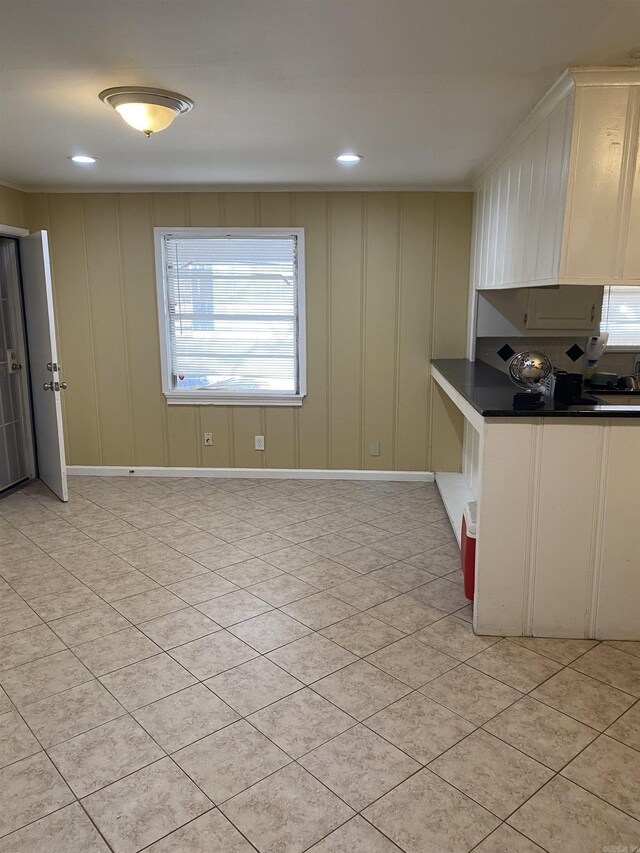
203 398
626 348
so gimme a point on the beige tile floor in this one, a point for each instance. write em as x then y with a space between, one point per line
191 665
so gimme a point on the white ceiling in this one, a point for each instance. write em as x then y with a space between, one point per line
427 90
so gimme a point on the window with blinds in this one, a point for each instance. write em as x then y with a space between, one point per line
621 316
233 314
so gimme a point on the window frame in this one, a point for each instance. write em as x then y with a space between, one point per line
177 396
620 348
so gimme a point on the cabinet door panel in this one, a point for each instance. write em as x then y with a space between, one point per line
533 177
496 233
553 191
511 270
491 226
487 193
563 538
631 249
595 183
564 308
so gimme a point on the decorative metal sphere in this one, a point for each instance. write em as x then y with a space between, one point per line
529 369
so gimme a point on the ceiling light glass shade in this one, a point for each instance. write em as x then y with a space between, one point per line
149 118
145 109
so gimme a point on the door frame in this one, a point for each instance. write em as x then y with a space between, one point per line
14 233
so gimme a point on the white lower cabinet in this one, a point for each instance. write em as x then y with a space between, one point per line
557 548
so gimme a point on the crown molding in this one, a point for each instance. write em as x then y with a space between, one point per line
561 89
5 182
254 188
595 75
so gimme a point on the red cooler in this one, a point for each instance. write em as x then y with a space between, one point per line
468 547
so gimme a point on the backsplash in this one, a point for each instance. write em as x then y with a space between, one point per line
565 353
621 363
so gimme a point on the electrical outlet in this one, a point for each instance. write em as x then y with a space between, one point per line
374 448
207 439
259 442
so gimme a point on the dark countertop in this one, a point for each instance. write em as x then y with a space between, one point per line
490 392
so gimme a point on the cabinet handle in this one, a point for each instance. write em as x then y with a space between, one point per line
525 319
593 312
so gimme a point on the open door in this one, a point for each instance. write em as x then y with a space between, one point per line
44 368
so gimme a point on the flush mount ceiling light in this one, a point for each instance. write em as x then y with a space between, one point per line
148 110
83 158
349 158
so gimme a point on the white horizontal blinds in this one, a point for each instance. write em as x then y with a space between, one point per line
621 316
233 312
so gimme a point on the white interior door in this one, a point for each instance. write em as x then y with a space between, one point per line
44 368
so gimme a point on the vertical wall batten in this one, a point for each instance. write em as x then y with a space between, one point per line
125 329
380 309
172 210
329 412
431 321
296 412
277 423
363 328
107 321
198 437
346 329
165 415
232 432
397 336
84 244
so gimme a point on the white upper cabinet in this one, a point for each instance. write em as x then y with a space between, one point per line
566 308
631 253
538 311
560 203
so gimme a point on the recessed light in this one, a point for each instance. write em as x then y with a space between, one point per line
349 158
83 158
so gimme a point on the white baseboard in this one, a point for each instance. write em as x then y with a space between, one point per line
252 473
